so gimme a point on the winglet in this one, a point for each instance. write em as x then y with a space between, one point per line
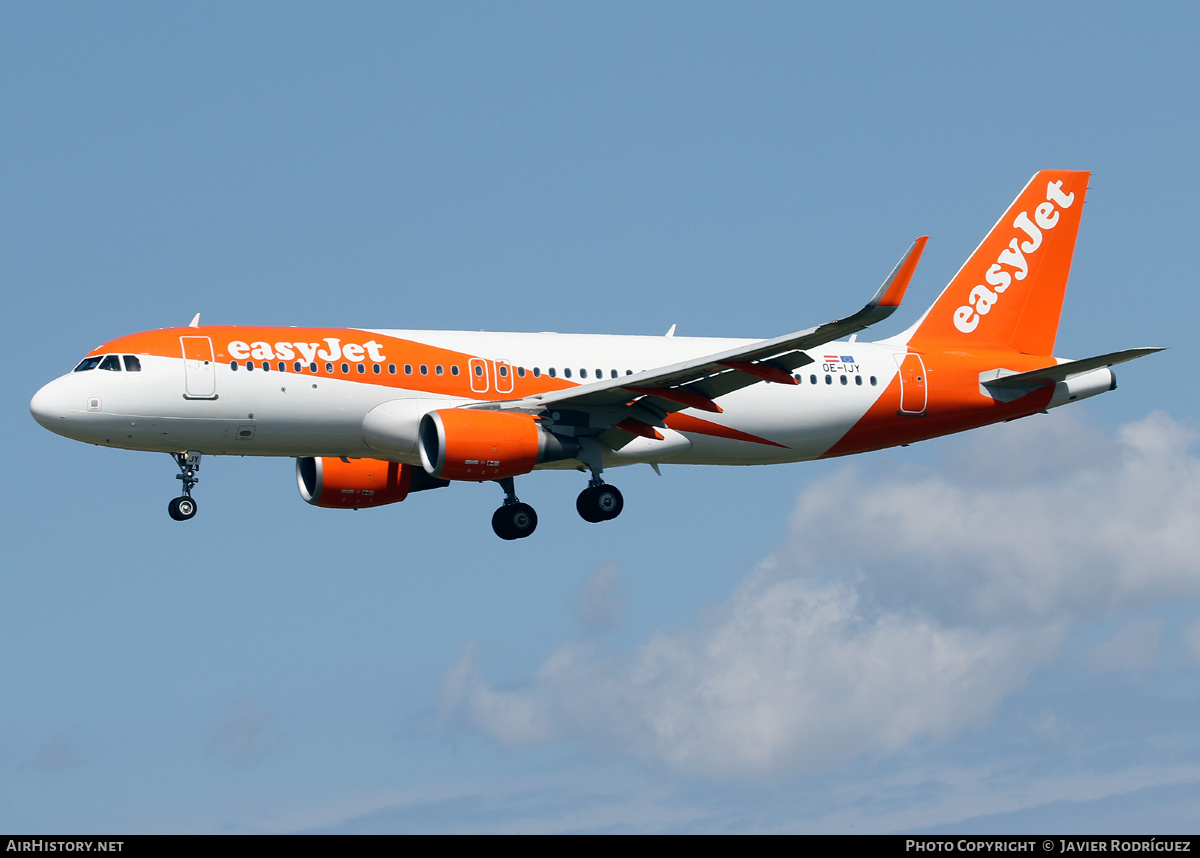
891 293
195 322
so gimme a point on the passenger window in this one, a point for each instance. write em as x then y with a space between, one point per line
111 362
376 368
478 370
233 365
812 379
520 372
551 371
873 381
537 372
282 366
266 366
361 369
858 380
313 366
844 381
583 373
329 367
296 366
132 364
345 368
629 372
249 366
614 373
88 363
424 369
438 369
408 369
829 379
454 370
567 372
503 372
391 369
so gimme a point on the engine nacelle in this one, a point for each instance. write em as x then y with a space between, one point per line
335 483
464 444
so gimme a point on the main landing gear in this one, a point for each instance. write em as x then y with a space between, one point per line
599 502
514 520
183 507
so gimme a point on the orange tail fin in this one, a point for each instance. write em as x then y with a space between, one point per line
1009 293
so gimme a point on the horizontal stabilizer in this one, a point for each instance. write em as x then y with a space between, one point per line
1060 372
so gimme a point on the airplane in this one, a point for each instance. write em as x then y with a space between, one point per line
372 416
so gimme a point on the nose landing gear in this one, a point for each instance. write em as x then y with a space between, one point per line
513 520
183 507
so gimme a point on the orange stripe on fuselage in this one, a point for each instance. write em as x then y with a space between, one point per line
955 402
392 350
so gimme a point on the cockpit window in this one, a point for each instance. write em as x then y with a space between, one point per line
132 364
87 363
111 362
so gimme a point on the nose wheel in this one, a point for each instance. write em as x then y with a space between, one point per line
599 503
183 507
513 520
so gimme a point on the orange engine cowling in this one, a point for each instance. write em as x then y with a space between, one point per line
336 483
463 444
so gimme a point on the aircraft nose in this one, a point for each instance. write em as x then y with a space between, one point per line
49 406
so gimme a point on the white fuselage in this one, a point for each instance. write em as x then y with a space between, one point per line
268 412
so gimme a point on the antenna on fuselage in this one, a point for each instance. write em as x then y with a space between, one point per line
195 322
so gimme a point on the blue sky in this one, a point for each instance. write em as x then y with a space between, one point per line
762 649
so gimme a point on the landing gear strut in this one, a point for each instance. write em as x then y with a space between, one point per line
513 520
183 507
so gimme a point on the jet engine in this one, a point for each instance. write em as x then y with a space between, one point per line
465 444
336 483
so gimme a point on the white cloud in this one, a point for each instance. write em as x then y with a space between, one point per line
245 734
1132 649
598 605
1191 640
902 605
1098 525
791 674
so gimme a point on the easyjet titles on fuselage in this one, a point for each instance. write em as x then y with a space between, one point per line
309 352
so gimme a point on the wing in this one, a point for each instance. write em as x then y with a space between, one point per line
634 404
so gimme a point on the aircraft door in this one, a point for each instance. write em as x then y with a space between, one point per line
504 377
477 368
913 393
199 369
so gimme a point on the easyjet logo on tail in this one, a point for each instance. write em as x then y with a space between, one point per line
1013 261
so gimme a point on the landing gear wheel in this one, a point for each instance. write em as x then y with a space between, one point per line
182 508
599 503
514 521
